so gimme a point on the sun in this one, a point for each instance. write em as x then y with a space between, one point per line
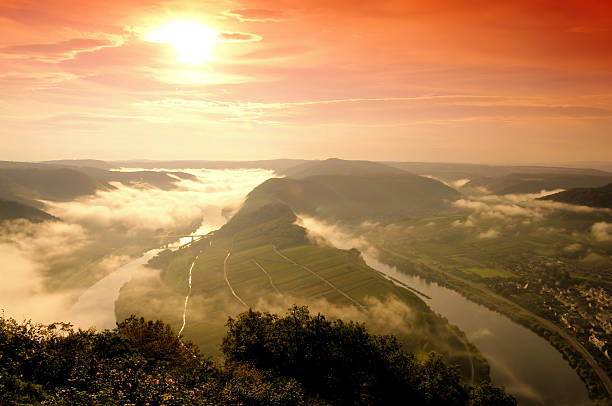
192 41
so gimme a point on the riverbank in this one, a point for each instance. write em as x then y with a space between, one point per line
594 377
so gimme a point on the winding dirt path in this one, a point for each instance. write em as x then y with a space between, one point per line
229 285
269 277
187 297
605 379
359 305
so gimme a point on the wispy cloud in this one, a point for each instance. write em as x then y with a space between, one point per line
258 15
46 266
60 51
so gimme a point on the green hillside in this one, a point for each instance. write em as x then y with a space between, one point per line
455 171
593 197
11 210
335 166
66 180
262 260
269 360
536 182
355 198
46 183
278 165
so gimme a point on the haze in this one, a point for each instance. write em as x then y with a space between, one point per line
476 81
231 202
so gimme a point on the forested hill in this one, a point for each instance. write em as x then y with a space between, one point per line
11 210
335 166
28 183
592 197
296 359
536 182
354 191
261 259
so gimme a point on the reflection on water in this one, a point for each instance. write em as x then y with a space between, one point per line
96 307
523 362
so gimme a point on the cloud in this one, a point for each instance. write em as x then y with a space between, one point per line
572 248
254 14
491 233
326 234
47 266
148 210
44 242
238 37
22 291
461 182
471 204
602 231
511 206
467 223
60 51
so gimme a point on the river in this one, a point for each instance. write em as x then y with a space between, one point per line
523 362
96 306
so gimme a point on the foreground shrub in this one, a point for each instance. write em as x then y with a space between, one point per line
297 359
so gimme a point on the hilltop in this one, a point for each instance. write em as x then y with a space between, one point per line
354 191
261 259
335 166
63 181
11 210
593 197
536 182
293 359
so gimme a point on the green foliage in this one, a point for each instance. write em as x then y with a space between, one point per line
594 197
10 210
536 182
485 394
356 198
341 363
270 360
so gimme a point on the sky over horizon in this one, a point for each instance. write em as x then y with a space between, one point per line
470 81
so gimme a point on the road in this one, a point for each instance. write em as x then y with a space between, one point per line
229 285
605 379
359 305
269 277
187 297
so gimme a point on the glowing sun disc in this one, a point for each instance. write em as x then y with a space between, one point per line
192 41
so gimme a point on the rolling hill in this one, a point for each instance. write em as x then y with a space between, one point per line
354 191
262 260
593 197
28 183
536 182
11 210
335 166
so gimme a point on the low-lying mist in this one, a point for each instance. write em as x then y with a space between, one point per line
48 265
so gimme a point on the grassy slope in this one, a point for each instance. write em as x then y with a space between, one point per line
593 197
534 183
277 245
11 210
520 254
356 198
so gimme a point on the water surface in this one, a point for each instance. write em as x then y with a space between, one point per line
523 362
96 306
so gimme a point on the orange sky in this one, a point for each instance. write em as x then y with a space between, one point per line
463 81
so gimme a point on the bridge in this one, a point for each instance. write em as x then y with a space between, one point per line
194 238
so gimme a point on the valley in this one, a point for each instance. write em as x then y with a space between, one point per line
325 236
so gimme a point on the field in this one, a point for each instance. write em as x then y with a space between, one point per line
490 273
554 267
233 273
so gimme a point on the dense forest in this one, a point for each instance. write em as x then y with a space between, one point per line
295 359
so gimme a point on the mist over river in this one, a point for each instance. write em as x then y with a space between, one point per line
524 363
96 307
